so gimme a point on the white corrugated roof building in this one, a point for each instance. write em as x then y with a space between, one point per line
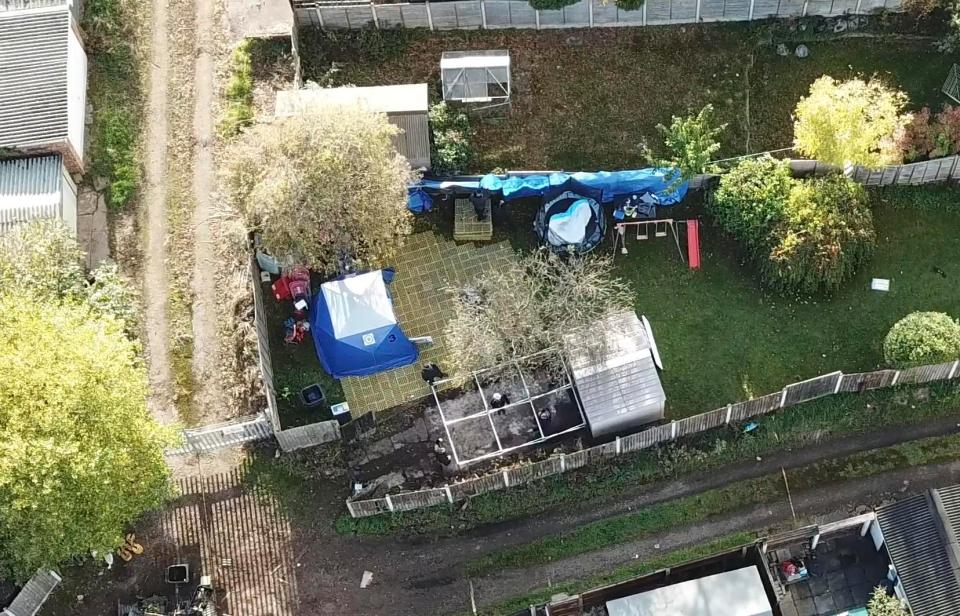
35 188
620 390
43 79
405 106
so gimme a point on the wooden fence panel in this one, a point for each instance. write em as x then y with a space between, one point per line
575 460
407 501
811 389
867 380
702 422
472 487
925 374
368 507
310 435
645 439
526 473
748 409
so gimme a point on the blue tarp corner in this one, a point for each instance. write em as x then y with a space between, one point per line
418 201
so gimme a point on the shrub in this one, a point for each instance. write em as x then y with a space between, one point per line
915 139
322 188
751 200
630 5
691 142
946 130
826 236
452 149
882 604
850 122
922 338
239 92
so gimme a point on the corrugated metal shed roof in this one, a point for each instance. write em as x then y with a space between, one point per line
407 98
33 76
913 533
20 5
30 188
622 390
29 601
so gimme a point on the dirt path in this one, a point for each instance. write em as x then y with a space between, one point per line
206 364
155 194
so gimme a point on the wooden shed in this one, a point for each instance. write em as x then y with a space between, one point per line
405 106
43 83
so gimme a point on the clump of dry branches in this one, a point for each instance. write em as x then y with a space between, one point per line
529 306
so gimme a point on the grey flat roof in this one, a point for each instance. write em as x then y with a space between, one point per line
622 389
33 76
33 595
30 188
734 593
916 532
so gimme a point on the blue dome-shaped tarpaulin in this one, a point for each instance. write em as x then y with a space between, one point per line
571 223
355 329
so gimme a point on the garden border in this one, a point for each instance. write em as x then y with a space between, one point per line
791 395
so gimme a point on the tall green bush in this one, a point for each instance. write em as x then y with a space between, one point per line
238 112
922 338
691 142
806 236
751 200
826 236
452 150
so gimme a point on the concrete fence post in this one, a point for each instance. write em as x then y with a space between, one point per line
618 446
857 8
750 14
590 11
953 371
783 397
353 513
429 16
446 489
896 377
673 430
699 2
644 13
373 12
389 503
536 14
483 14
729 413
563 463
506 479
806 4
319 21
836 389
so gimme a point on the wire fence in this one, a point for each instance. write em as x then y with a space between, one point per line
793 394
497 14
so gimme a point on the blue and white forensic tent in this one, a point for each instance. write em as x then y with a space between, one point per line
355 329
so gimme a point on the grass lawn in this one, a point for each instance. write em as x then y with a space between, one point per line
589 99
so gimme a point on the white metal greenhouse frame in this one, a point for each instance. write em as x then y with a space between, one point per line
476 77
528 400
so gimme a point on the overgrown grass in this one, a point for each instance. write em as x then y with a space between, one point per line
693 509
589 99
238 111
626 572
802 425
113 29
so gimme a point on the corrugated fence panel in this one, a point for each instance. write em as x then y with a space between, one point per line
867 380
812 388
925 374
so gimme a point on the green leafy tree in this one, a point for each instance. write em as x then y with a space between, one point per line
882 604
322 186
80 457
922 338
852 122
43 260
826 235
692 142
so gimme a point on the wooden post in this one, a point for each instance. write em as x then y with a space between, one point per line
789 497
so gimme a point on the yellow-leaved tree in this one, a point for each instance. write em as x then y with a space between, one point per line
80 457
322 186
851 122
